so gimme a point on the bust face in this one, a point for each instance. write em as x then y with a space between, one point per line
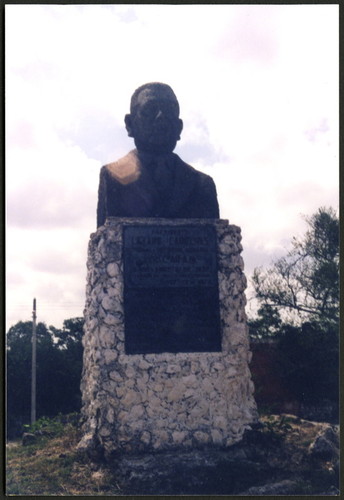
154 123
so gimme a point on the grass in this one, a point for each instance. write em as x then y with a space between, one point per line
51 466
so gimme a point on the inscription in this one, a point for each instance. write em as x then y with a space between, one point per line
164 257
170 289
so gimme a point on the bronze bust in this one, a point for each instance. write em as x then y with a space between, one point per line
151 180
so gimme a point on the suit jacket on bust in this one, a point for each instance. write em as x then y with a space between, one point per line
147 185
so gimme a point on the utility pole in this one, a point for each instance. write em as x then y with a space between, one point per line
33 368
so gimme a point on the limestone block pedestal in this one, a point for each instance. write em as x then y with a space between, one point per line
163 400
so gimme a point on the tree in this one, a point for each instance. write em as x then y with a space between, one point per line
306 280
309 362
299 307
71 334
19 349
59 365
69 343
267 324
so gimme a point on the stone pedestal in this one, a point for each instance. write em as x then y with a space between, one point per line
164 400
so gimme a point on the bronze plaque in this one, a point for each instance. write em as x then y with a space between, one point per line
171 299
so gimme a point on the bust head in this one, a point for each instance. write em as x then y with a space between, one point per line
154 121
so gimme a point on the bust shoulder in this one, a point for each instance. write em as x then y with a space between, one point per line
125 170
203 178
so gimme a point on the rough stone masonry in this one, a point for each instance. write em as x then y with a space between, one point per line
163 401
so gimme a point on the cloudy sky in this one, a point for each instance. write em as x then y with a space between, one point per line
258 91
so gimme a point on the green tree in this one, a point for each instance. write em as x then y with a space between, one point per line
306 280
302 288
267 324
59 365
309 361
69 369
71 334
18 364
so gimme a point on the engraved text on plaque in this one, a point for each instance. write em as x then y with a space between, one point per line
171 299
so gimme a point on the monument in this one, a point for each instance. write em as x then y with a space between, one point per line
152 181
166 348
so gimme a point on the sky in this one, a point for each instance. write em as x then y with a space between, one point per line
258 92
